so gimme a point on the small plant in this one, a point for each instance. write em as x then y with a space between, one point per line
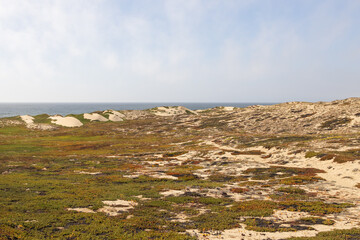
42 118
314 207
252 152
262 225
183 175
173 154
315 220
278 171
334 235
291 190
333 123
216 221
311 154
239 190
218 177
255 208
299 180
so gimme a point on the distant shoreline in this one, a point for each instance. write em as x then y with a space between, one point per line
16 109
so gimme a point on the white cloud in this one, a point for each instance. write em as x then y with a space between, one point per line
111 61
208 50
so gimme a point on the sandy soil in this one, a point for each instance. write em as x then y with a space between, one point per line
229 109
114 208
115 116
27 119
66 121
88 173
171 111
84 210
95 117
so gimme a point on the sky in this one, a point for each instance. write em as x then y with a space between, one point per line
179 50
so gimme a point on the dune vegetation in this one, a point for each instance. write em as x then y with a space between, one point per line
178 174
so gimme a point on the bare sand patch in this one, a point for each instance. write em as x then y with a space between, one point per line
120 202
163 176
355 121
180 217
116 207
141 197
288 216
174 193
242 233
115 116
66 121
341 174
228 109
27 119
89 173
95 117
172 111
84 210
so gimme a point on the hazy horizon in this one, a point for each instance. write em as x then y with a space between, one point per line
18 109
139 102
198 51
124 102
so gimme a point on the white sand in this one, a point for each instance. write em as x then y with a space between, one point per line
340 180
341 174
287 216
242 233
114 208
89 173
172 111
84 210
174 193
115 116
141 197
95 117
120 202
163 176
66 121
131 175
41 126
113 211
180 217
355 121
27 119
228 109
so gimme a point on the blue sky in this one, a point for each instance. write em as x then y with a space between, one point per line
179 50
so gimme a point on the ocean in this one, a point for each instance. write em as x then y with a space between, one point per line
15 109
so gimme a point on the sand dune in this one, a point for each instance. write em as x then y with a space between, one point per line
66 121
95 117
